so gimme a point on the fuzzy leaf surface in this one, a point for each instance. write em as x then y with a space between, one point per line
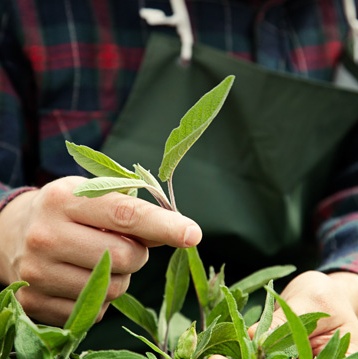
239 324
198 274
91 298
97 162
177 282
113 354
267 315
149 343
299 332
191 127
222 340
136 312
330 349
260 278
281 337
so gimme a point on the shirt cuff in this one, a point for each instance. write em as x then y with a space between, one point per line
7 196
338 232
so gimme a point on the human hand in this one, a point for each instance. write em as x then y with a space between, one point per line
335 294
53 239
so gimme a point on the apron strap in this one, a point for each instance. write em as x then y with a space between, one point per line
351 14
180 19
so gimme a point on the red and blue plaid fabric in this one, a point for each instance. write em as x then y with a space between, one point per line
67 68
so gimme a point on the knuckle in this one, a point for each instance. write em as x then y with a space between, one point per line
30 272
125 213
118 286
130 259
37 238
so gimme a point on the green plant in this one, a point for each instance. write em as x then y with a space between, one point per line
222 327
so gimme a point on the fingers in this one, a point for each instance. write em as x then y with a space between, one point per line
135 218
83 246
47 309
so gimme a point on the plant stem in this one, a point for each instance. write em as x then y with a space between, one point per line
171 193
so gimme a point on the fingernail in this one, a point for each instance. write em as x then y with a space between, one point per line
192 236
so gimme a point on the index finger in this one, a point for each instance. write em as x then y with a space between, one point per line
136 218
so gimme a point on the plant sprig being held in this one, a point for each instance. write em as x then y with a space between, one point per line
222 326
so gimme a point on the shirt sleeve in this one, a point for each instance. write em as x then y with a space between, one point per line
14 134
337 214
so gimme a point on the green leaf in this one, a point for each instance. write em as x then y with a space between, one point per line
140 315
281 337
204 339
330 349
299 332
6 319
198 274
97 163
91 298
352 356
149 343
13 287
154 187
191 127
177 282
28 343
7 344
216 281
343 346
100 186
278 355
252 315
178 324
222 340
239 323
267 314
222 309
150 355
262 277
113 354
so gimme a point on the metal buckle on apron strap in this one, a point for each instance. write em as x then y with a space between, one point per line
180 19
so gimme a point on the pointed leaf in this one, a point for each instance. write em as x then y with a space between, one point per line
178 324
113 354
330 349
13 287
89 303
198 274
204 339
149 343
97 163
299 332
239 324
100 186
28 343
191 127
135 311
223 340
281 337
343 346
262 277
267 314
177 282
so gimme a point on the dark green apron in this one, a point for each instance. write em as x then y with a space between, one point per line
253 178
261 166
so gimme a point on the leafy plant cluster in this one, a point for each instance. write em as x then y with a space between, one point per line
222 328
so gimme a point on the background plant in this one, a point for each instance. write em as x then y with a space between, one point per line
222 328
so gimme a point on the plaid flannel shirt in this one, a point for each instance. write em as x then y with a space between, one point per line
67 68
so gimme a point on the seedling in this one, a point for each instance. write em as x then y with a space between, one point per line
222 328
